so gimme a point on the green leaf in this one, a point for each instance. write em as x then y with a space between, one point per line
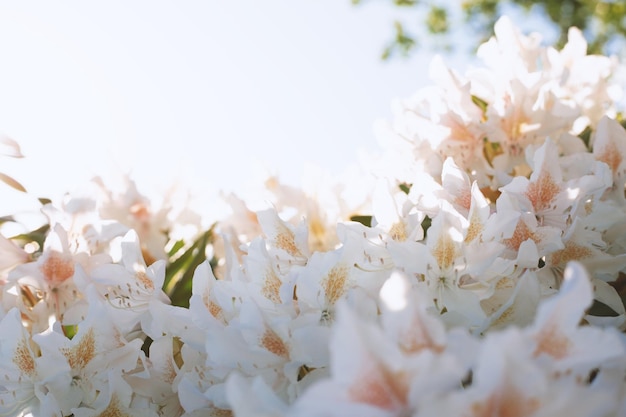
600 309
175 268
145 348
179 274
402 42
482 104
177 246
426 224
585 135
491 150
364 220
405 3
437 20
70 330
38 235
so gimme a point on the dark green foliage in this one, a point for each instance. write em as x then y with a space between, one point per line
401 43
437 20
602 22
364 220
179 273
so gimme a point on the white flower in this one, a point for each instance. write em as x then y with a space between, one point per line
570 347
271 346
268 284
524 239
371 375
509 52
154 222
199 389
287 242
345 273
97 353
212 300
442 263
393 214
544 369
11 255
158 383
253 398
131 287
115 400
584 79
506 382
47 287
609 146
23 388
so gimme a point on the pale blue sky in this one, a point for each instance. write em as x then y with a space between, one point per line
205 88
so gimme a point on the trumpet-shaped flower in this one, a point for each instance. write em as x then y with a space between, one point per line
513 301
524 239
506 382
572 348
288 243
393 214
47 287
131 287
213 300
584 79
348 272
443 264
609 146
509 52
23 389
253 398
585 245
266 279
372 375
154 222
158 383
277 348
96 354
11 255
116 400
553 201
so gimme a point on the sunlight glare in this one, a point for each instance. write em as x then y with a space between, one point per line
393 292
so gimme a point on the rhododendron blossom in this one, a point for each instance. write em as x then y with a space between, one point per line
475 266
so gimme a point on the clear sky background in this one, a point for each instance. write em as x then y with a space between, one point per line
204 89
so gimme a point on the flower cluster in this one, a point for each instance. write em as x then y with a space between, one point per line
406 363
476 268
